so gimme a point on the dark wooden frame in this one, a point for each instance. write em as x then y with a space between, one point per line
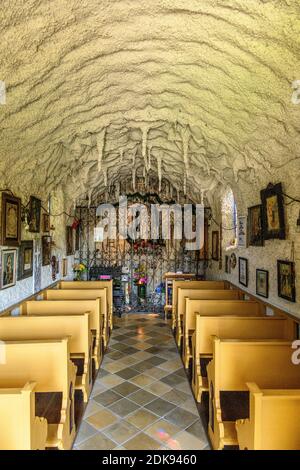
270 191
267 283
45 223
291 264
69 238
8 198
46 243
215 234
22 274
36 229
15 267
247 271
253 239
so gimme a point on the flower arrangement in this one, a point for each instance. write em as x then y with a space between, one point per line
79 269
140 278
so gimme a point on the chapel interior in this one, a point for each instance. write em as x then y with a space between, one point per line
163 339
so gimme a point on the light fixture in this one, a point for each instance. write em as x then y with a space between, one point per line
298 224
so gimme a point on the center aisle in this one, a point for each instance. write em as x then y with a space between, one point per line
141 398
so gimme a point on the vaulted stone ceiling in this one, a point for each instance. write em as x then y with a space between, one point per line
198 92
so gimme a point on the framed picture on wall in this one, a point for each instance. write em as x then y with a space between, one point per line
46 223
35 206
11 220
46 250
286 280
25 265
242 231
262 283
243 271
64 267
69 240
9 268
273 212
215 245
255 232
227 264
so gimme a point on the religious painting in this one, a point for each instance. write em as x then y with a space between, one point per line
273 212
233 261
255 233
46 250
35 205
243 271
262 283
227 264
215 245
25 269
242 231
9 268
286 280
11 220
46 223
69 240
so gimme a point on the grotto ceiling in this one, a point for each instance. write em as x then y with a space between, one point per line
194 91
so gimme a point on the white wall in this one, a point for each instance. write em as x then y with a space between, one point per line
261 257
25 288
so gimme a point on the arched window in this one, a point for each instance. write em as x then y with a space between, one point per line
229 219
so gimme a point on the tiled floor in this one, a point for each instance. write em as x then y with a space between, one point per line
141 398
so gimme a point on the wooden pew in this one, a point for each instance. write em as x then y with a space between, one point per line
20 428
199 294
207 285
239 327
71 307
274 420
236 362
86 294
42 327
47 362
93 285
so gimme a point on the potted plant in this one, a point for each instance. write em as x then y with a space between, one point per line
78 269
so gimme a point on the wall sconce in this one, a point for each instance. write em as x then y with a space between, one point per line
298 224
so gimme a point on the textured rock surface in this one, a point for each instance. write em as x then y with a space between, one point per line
198 92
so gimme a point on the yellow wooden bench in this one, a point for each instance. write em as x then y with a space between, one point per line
239 327
212 307
20 428
84 294
274 422
199 294
42 326
47 363
93 285
57 306
71 307
206 285
236 362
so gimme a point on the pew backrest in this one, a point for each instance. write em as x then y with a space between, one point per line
79 294
204 285
204 294
17 417
218 307
240 327
46 362
274 419
65 307
42 327
91 285
265 362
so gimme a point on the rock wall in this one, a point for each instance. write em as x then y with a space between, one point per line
264 257
25 287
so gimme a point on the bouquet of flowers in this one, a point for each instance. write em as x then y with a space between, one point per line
79 269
